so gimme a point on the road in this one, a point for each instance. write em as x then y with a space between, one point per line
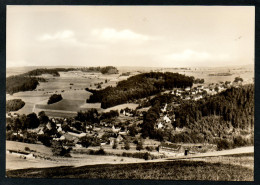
242 150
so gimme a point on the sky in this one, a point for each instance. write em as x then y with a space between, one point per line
149 36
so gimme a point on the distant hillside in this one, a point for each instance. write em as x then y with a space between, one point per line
139 86
28 81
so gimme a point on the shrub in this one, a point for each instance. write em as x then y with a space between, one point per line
45 139
30 137
240 141
223 144
147 156
32 121
14 105
87 141
139 146
59 150
127 145
149 148
9 135
54 98
27 148
115 145
140 155
101 151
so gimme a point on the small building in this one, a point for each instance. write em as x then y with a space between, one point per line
118 139
165 108
187 89
166 119
159 125
115 130
171 148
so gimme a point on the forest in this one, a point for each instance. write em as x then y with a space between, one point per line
213 119
139 86
55 71
235 105
21 83
14 105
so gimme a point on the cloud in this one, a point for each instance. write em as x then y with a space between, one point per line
17 63
110 34
188 55
66 35
66 38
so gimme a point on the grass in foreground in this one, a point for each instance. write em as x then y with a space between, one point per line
173 170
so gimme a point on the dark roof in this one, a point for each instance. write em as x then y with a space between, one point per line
169 145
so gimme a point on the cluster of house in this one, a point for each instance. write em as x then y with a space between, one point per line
165 121
74 135
198 92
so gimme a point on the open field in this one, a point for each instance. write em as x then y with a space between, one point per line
64 104
46 159
246 73
229 167
71 85
122 106
221 168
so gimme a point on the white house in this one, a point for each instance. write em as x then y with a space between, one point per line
59 129
164 109
115 130
187 89
159 125
166 118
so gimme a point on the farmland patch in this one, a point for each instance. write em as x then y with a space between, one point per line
122 106
65 104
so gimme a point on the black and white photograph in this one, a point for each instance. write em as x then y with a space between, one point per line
130 92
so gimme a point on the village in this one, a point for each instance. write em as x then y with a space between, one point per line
121 133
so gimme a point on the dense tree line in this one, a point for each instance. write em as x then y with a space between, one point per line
139 86
108 70
54 98
22 122
14 105
149 121
92 116
38 72
109 115
21 83
88 116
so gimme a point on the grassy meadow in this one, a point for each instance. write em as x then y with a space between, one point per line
173 170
